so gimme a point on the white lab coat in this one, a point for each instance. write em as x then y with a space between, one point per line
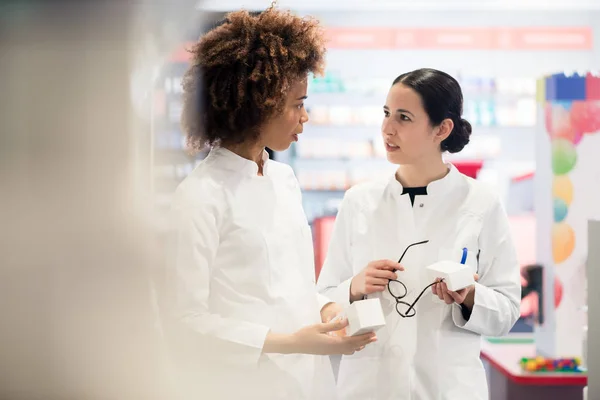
434 355
242 264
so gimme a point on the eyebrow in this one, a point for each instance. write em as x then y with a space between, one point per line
302 98
400 110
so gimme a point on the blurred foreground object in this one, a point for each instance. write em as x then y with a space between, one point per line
77 319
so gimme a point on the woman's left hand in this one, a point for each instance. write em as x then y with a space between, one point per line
330 311
464 296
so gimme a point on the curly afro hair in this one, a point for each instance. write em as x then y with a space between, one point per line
241 71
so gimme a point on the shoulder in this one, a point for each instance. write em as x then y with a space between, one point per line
202 190
481 198
281 170
284 174
365 193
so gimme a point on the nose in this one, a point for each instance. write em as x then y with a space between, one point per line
386 127
304 116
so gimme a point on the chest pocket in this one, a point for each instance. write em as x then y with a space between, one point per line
464 234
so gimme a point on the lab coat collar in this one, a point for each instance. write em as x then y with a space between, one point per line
231 161
435 188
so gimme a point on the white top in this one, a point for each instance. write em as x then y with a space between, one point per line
243 264
434 355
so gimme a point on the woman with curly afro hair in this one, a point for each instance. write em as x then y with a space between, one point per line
248 322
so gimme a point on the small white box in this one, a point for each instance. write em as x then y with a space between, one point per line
364 316
455 275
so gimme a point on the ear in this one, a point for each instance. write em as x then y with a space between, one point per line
443 130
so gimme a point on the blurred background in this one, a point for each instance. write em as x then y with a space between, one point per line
498 50
91 151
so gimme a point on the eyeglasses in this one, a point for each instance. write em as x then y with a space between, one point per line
394 287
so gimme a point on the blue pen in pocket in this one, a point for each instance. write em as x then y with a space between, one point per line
465 252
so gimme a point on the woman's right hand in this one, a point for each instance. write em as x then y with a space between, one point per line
374 278
316 339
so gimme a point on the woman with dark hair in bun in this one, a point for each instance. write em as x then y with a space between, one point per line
426 212
246 319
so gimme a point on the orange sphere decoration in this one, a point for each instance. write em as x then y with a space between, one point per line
563 242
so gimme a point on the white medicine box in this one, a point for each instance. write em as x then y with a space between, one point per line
364 316
455 275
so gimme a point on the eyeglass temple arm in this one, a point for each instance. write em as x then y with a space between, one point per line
412 306
414 244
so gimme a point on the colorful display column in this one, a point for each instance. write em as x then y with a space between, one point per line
567 196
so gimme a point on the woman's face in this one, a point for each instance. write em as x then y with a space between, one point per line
283 128
407 132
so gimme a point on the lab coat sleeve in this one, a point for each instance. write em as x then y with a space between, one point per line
498 292
337 273
196 241
323 300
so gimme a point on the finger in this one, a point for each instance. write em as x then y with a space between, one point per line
457 297
440 291
462 294
362 340
447 298
365 337
386 264
361 343
400 267
374 288
476 277
384 274
435 288
445 295
333 326
377 282
360 348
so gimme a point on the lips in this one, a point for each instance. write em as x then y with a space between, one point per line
391 147
296 134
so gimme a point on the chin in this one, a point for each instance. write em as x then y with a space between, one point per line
280 146
396 159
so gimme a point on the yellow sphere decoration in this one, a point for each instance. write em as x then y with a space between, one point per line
562 188
563 242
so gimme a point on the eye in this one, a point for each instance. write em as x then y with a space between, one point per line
386 113
403 117
300 106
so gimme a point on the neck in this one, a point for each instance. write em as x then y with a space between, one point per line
421 174
252 152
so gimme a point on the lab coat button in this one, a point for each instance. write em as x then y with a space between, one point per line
421 205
